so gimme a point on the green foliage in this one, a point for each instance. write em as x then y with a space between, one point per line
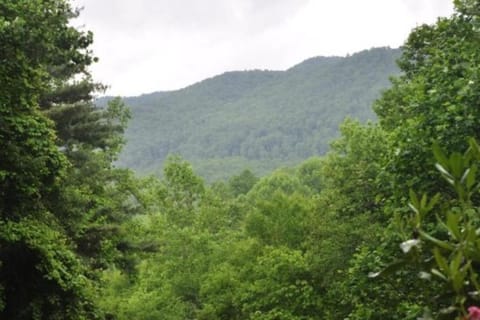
242 183
300 243
40 275
279 287
449 251
296 114
81 124
354 168
309 173
81 239
30 161
280 220
60 200
183 192
217 262
435 99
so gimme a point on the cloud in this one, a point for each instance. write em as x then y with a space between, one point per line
427 8
189 15
150 45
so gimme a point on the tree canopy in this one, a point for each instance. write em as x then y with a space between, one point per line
383 226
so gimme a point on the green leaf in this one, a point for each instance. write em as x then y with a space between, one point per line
437 242
441 261
433 201
414 200
445 173
439 274
439 155
457 165
474 148
423 202
471 177
464 175
414 209
452 225
458 274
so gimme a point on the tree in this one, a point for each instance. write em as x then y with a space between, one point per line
435 99
242 183
41 277
278 286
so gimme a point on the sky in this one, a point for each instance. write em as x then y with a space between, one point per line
157 45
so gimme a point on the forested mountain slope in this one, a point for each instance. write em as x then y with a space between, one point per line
256 119
384 226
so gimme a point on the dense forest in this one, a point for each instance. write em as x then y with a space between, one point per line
259 120
384 226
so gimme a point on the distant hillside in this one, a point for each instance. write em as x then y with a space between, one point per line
256 119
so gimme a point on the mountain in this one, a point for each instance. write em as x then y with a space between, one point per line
256 119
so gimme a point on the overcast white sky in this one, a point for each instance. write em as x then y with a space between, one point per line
156 45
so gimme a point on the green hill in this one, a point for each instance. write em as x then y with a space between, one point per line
256 119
